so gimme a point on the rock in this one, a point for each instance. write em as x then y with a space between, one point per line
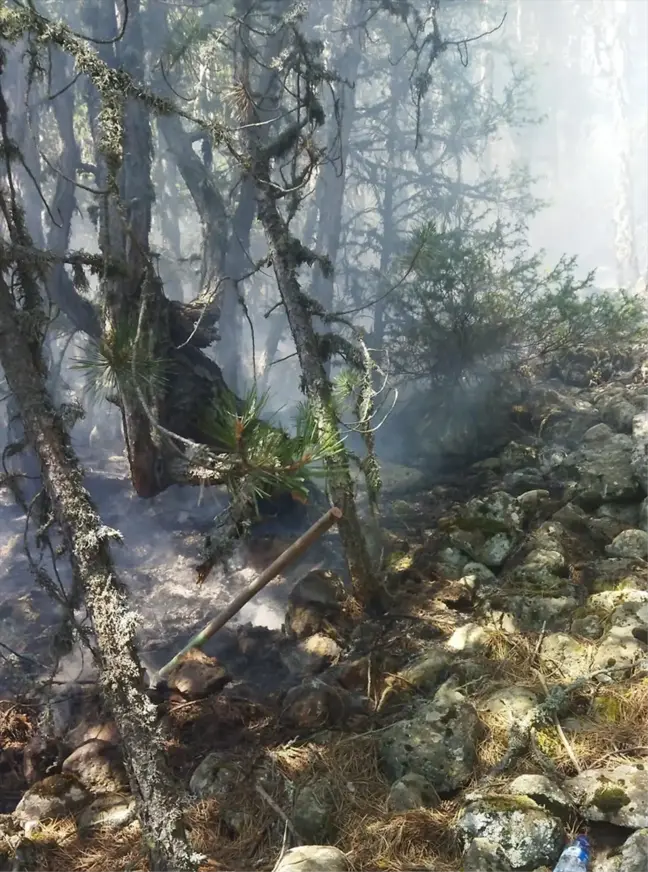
302 621
313 858
598 433
470 637
630 543
458 594
410 792
604 472
542 563
110 811
534 613
520 481
572 517
495 550
527 834
313 812
544 792
313 705
351 674
57 796
628 515
516 456
634 853
438 742
620 573
481 573
616 411
513 702
104 731
639 451
98 766
643 514
214 777
319 587
617 795
484 856
42 756
618 650
312 654
198 675
549 536
588 625
563 652
451 563
531 500
498 512
313 601
424 674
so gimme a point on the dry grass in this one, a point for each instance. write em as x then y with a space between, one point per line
371 836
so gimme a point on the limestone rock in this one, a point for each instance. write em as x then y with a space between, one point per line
527 834
313 812
98 766
604 472
618 795
512 702
485 856
314 705
319 587
481 573
535 612
314 600
311 655
214 777
198 675
619 650
571 657
410 792
544 792
617 411
469 637
639 451
634 853
439 742
313 858
57 796
630 543
110 811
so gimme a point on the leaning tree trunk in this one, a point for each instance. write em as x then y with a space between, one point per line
158 797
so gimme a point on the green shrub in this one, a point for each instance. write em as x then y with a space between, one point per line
479 303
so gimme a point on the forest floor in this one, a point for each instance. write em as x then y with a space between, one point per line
304 749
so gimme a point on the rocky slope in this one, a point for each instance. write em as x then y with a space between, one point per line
499 705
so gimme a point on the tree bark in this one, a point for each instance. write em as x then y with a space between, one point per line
316 385
158 797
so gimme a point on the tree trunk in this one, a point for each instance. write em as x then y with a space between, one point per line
158 797
316 386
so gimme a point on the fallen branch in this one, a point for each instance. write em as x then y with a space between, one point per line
541 715
299 547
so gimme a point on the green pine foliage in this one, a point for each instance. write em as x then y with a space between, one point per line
268 458
107 365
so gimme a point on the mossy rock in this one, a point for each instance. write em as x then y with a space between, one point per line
607 708
399 561
610 799
488 526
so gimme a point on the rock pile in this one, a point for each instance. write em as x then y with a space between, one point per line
515 633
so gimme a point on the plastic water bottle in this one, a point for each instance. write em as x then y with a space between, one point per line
575 857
